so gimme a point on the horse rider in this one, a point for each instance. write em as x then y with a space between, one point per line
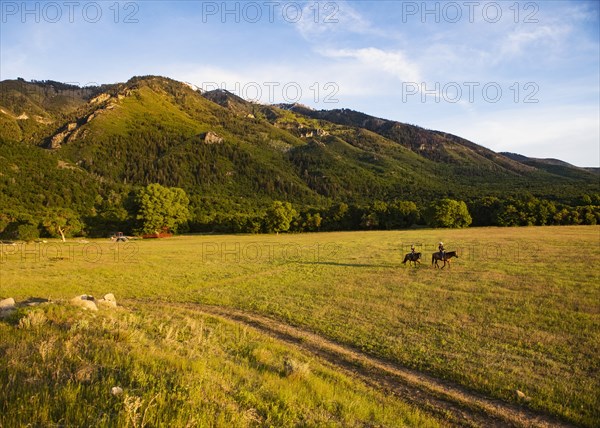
413 253
441 249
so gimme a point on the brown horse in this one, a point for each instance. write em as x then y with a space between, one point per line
436 257
412 257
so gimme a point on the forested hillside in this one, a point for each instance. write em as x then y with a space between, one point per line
81 154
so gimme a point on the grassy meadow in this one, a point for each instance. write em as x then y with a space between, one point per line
519 310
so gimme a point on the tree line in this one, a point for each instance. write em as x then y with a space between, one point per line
157 208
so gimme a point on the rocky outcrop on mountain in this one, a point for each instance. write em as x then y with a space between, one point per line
310 133
212 138
100 99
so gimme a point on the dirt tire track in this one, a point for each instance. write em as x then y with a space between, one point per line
448 402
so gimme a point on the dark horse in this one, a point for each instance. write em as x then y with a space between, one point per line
436 257
412 257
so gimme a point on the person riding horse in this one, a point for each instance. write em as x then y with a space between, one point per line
413 256
443 256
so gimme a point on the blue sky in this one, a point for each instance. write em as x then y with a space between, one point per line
512 76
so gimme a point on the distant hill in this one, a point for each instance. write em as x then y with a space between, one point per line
554 166
62 145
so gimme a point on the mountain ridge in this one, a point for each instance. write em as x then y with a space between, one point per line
546 162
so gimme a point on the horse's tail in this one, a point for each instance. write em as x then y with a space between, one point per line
432 259
405 259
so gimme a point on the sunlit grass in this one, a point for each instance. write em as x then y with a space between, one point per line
175 368
519 310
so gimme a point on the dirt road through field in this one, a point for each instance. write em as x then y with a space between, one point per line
451 403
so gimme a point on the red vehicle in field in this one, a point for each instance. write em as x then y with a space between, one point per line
162 234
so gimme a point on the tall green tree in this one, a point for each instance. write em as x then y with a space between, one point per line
448 213
62 222
279 217
160 208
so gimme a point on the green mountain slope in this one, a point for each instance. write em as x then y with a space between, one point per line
464 163
81 146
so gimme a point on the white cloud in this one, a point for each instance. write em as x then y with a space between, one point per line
392 62
524 39
569 133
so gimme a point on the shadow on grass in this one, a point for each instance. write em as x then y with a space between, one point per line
358 265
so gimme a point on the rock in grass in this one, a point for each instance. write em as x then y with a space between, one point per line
84 301
7 304
110 297
108 301
116 391
7 307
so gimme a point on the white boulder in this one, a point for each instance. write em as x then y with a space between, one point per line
84 301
